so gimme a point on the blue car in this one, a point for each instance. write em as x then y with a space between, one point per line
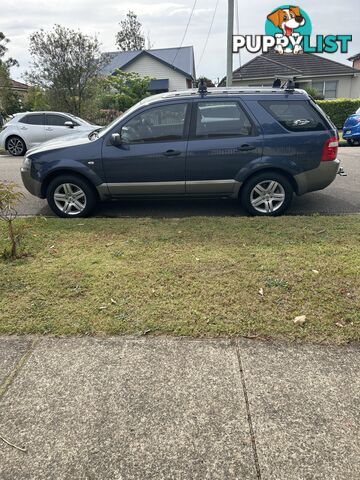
257 145
351 130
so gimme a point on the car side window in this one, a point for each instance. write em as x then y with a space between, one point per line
221 119
35 119
57 120
296 115
158 124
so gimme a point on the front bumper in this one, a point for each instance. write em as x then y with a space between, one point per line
318 178
353 134
32 185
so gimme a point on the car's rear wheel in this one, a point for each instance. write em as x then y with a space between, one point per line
351 142
15 146
70 196
267 194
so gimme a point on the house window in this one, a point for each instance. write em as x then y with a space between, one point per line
328 89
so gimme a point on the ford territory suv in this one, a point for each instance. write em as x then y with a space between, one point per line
257 145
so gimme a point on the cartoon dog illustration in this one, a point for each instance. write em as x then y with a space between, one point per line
287 19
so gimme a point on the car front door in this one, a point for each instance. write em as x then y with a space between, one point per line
55 125
32 129
151 157
223 139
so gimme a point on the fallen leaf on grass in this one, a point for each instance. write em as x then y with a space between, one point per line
315 271
301 319
109 244
261 292
113 301
338 324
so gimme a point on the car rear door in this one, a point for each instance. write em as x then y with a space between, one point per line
55 125
151 157
223 139
32 128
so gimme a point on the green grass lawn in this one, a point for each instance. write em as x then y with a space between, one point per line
195 276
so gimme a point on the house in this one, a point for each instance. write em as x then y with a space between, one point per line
331 79
356 61
170 68
19 87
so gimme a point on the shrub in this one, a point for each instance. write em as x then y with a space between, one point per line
338 110
9 197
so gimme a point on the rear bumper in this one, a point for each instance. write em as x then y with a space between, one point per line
318 178
32 185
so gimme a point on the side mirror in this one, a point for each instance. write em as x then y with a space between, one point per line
69 124
115 139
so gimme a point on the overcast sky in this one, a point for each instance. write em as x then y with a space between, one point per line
165 20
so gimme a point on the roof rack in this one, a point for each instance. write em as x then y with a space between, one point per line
229 91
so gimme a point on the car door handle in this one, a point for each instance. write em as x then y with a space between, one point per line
172 153
246 147
49 129
23 128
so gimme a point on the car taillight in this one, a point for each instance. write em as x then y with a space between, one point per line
330 149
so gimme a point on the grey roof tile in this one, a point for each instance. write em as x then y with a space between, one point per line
272 64
181 59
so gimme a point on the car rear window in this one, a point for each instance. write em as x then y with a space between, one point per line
296 115
35 119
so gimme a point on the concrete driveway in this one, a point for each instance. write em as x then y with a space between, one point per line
342 197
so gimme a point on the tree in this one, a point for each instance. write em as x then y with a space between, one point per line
209 83
123 90
36 99
130 36
10 62
64 63
9 100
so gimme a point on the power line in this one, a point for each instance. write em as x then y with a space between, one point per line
208 34
186 29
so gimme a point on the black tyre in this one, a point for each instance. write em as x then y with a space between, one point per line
71 196
15 146
351 142
267 194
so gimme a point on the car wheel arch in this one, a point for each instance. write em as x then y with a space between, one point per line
14 135
281 171
64 171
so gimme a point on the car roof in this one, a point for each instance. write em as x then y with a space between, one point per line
44 111
221 92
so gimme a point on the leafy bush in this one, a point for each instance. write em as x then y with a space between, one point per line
122 90
338 110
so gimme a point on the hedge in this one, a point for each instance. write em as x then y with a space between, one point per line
338 110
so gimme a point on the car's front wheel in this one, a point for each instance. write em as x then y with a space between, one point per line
267 194
71 196
15 146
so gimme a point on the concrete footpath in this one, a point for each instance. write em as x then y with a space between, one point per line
162 408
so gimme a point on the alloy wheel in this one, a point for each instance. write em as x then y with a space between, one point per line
267 196
70 198
15 146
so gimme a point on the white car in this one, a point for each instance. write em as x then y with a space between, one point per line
28 129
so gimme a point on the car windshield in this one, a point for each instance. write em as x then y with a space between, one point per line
103 131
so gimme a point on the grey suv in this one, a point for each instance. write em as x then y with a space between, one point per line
257 145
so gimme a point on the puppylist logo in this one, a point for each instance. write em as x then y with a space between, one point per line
288 30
